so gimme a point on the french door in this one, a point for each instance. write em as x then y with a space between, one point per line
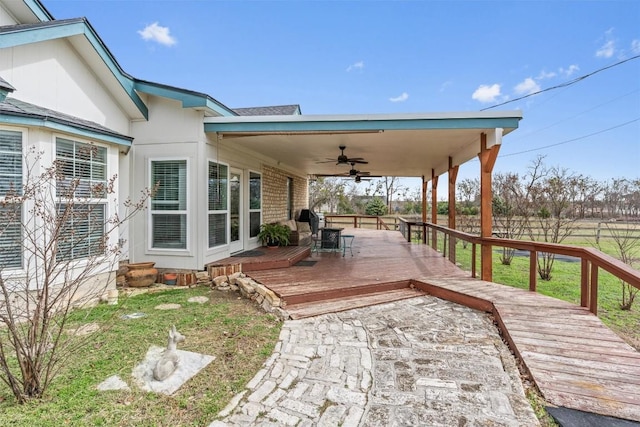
236 240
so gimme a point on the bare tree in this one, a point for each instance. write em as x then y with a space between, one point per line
509 208
468 191
326 191
390 186
56 229
554 220
627 245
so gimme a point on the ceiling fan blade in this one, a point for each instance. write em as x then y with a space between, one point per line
358 160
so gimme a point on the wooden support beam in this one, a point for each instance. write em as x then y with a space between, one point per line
488 158
434 208
453 176
424 200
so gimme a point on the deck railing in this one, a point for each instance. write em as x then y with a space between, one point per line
356 221
592 260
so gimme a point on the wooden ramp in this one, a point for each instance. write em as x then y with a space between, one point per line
574 359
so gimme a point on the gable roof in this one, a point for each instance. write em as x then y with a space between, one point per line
28 11
277 110
124 87
13 111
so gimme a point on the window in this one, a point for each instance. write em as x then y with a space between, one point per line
82 169
255 203
82 231
169 204
81 182
10 213
218 203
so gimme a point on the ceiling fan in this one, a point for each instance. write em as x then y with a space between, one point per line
344 160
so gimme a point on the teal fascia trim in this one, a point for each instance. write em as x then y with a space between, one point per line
86 133
38 9
365 125
188 99
81 27
35 35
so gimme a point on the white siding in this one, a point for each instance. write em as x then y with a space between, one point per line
52 75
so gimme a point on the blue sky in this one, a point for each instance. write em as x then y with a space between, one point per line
353 57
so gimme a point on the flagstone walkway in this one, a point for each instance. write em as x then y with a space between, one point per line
418 361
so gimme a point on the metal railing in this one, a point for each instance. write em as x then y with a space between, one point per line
592 260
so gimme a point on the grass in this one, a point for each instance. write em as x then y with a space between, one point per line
238 334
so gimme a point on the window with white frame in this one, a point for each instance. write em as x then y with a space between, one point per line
10 213
255 203
218 203
169 204
81 190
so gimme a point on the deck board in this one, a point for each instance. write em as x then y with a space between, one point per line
574 359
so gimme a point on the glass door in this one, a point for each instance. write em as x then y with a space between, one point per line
235 210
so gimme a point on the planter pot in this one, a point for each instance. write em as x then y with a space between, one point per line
141 274
170 278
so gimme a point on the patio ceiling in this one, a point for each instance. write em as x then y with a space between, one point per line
406 145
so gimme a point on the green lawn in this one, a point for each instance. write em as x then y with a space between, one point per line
237 333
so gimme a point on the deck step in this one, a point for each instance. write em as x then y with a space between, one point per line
310 309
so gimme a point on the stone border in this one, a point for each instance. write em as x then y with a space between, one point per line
250 289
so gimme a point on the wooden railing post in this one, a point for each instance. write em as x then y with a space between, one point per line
533 271
444 244
355 222
593 298
409 232
584 283
473 260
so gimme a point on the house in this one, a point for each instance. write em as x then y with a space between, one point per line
221 172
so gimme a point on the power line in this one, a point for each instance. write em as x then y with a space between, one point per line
574 139
565 84
578 114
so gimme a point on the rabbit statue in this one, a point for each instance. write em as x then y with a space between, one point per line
169 360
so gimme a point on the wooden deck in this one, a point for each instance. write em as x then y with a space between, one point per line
574 359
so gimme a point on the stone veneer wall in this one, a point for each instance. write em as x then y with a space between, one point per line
274 194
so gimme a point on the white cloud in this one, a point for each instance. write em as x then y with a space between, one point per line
608 49
569 71
158 34
545 75
635 47
527 86
486 93
400 98
356 66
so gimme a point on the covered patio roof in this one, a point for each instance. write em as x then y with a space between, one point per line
406 145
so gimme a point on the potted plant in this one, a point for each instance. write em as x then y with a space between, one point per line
274 235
